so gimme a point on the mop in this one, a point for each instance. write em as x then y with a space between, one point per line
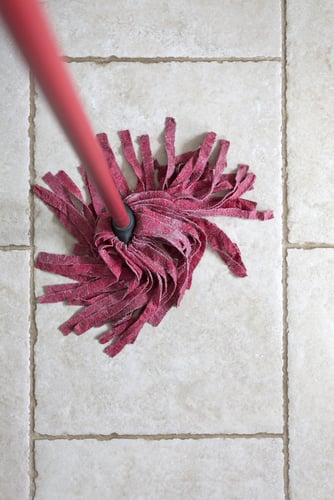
136 249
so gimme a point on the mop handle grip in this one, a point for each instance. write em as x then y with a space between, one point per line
33 35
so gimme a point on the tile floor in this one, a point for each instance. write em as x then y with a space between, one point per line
232 396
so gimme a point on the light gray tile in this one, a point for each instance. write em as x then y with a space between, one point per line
214 364
168 28
311 373
311 121
14 374
14 145
160 470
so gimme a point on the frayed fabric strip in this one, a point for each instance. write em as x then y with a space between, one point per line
125 286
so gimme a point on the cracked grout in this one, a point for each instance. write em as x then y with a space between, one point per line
285 239
154 437
157 60
32 327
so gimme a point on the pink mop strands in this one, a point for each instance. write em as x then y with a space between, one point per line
127 286
136 251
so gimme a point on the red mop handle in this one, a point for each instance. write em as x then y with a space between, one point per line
36 41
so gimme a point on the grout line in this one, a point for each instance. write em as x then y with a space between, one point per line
153 437
305 245
285 239
32 328
308 245
156 60
8 248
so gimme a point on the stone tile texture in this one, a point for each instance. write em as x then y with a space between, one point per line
310 71
122 428
168 28
14 375
159 470
214 364
311 373
14 145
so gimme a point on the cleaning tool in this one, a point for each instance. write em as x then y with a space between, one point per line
127 281
30 29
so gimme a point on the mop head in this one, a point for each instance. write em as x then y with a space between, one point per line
126 286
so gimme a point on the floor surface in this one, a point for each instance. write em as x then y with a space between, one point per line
232 396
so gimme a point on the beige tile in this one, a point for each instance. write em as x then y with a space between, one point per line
214 364
14 374
149 29
160 470
14 145
311 120
311 373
